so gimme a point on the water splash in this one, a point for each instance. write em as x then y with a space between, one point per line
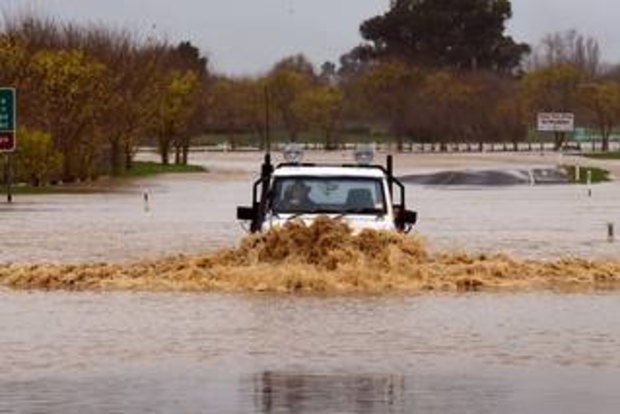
327 258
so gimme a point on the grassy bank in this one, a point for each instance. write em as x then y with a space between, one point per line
599 175
140 169
147 169
615 155
249 139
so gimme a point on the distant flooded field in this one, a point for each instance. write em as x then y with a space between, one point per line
67 352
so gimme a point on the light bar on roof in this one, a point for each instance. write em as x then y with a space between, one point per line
365 154
293 154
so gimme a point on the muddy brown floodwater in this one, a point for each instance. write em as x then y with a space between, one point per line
480 353
533 351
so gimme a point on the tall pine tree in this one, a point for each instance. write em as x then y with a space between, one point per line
462 34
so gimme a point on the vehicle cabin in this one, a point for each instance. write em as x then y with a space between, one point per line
361 194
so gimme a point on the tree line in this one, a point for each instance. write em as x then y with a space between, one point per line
440 71
88 96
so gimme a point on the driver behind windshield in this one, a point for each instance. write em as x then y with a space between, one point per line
296 197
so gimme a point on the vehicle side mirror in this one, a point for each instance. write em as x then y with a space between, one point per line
410 217
246 213
405 218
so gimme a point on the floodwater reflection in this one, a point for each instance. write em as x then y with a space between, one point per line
279 392
451 391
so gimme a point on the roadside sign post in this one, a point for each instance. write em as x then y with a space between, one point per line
8 126
8 178
557 122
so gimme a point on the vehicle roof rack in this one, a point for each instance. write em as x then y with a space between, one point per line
307 164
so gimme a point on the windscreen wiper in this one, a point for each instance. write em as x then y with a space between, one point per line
361 210
303 213
339 214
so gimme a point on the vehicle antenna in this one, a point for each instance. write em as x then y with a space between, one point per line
390 171
267 122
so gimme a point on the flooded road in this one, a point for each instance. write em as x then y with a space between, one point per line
196 213
195 353
75 353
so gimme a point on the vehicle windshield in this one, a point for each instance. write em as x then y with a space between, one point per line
328 195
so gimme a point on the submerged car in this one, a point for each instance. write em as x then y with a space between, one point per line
361 194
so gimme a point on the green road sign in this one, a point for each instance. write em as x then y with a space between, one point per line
7 119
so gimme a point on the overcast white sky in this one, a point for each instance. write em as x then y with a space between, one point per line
247 36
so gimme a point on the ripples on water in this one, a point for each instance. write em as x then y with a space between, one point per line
211 353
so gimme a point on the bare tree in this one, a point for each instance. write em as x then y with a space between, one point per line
570 47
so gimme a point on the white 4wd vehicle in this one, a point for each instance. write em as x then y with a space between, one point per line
361 195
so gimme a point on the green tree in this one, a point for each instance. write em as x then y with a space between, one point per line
36 159
449 97
128 109
463 34
479 119
389 91
553 89
177 100
322 107
187 57
14 61
100 92
602 101
287 82
70 89
231 106
510 119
